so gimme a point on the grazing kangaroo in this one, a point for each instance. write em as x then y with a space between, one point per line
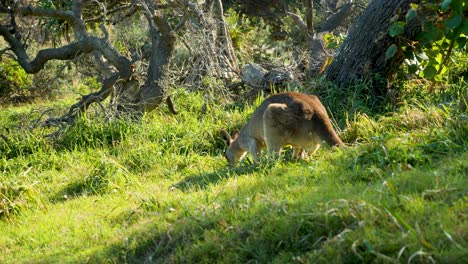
291 118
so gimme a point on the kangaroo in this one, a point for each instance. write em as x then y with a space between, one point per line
290 118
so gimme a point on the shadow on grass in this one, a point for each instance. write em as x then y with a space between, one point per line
264 166
96 183
254 239
74 190
203 180
324 229
319 228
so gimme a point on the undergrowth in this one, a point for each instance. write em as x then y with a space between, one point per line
160 190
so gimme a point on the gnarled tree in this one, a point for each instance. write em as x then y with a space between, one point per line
133 92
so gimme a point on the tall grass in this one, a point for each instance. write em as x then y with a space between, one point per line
160 190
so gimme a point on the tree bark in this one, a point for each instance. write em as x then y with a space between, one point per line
309 16
153 92
225 39
362 55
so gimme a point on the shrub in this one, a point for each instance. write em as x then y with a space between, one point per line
13 79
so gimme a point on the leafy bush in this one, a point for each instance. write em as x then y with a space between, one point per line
16 86
13 79
443 31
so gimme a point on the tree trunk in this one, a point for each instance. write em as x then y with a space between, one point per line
318 55
362 55
153 91
130 97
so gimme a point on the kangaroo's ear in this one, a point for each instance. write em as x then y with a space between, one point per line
225 135
236 134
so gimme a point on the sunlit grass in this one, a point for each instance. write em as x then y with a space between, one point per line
160 190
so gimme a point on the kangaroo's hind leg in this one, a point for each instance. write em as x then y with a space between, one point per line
275 133
274 147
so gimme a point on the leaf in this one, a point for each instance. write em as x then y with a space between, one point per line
461 42
396 29
414 6
400 220
465 27
445 5
426 244
438 78
409 55
438 58
432 34
332 45
391 51
413 68
430 72
410 15
453 21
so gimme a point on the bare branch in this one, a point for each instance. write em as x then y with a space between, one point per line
43 12
337 19
84 44
181 23
83 104
298 21
194 8
67 52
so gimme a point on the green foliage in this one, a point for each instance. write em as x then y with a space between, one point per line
12 78
16 86
248 35
53 27
130 34
444 31
332 41
89 85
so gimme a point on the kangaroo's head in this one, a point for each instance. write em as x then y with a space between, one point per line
234 153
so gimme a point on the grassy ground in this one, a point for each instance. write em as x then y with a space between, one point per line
160 190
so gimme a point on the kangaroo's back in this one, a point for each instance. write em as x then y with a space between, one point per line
320 122
299 117
254 127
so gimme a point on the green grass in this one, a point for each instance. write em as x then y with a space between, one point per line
160 190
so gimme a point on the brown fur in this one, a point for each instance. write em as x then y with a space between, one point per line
291 118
